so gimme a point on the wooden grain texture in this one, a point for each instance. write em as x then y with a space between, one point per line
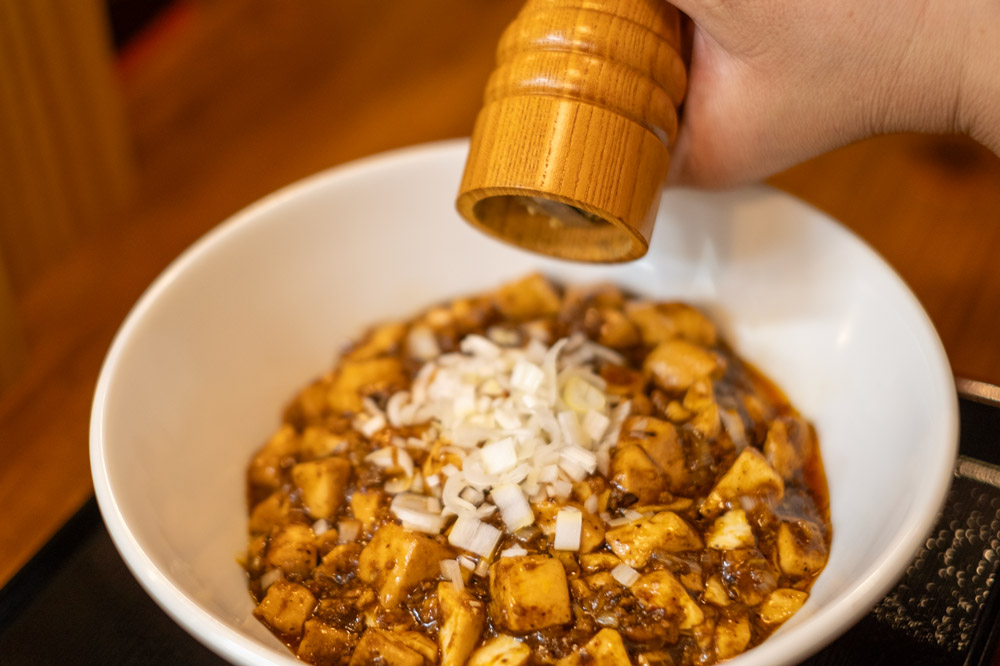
63 146
580 110
228 100
64 155
12 351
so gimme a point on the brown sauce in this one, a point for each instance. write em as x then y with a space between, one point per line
713 499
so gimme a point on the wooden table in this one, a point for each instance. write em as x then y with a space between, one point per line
228 100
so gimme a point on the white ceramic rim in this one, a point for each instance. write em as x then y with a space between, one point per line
784 648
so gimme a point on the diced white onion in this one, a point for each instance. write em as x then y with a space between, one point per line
416 443
516 551
372 425
422 344
514 507
348 531
452 571
516 475
472 496
451 496
405 462
561 489
398 485
477 345
548 474
595 424
476 476
733 424
394 407
625 574
570 428
320 527
604 459
474 536
516 424
573 469
569 528
416 517
384 457
502 336
590 504
618 416
581 396
586 460
270 577
499 456
526 377
466 562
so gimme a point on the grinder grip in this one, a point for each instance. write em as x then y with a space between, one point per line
571 147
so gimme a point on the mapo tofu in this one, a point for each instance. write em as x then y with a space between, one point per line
537 475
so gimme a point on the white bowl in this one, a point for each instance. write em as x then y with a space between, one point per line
199 372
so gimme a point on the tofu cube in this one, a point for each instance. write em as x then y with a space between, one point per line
396 559
285 608
318 442
715 592
380 341
612 328
462 618
594 562
323 644
528 298
293 550
781 605
605 648
658 438
637 475
420 644
748 575
323 484
802 551
661 589
265 470
732 635
636 542
386 649
529 593
655 658
356 379
501 651
790 442
675 364
367 507
750 474
659 322
730 531
269 512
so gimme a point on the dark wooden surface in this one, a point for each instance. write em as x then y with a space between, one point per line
228 100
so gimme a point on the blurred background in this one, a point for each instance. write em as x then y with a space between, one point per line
128 128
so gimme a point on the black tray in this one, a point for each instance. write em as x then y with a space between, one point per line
76 603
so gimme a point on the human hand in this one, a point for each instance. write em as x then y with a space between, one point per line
775 82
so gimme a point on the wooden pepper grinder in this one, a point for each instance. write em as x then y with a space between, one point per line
571 147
